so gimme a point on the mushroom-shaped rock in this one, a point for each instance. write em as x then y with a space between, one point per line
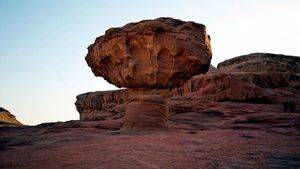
159 53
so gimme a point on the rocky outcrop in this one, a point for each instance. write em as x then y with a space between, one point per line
102 105
159 53
258 77
262 62
149 57
276 81
8 119
111 104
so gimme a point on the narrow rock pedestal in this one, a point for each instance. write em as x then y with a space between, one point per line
148 112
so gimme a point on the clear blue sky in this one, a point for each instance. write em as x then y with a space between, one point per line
43 43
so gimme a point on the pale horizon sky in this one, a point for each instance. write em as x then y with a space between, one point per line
43 43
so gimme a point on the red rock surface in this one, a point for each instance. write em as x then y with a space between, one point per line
254 78
262 62
149 112
258 77
111 104
243 87
159 53
202 135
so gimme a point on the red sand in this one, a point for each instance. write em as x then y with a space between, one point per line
98 144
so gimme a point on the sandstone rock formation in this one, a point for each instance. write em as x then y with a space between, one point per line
149 57
257 77
7 119
149 112
274 83
159 53
111 104
262 62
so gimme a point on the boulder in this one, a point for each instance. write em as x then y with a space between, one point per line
159 53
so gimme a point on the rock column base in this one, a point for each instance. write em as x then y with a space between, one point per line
147 113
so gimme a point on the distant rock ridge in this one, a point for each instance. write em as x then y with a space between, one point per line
8 119
262 62
253 78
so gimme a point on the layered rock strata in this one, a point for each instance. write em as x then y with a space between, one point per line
275 81
111 104
257 77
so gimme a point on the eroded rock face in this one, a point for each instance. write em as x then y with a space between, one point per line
160 53
258 78
262 62
242 87
7 119
149 112
111 104
274 83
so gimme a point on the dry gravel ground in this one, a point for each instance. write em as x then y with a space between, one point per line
240 141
